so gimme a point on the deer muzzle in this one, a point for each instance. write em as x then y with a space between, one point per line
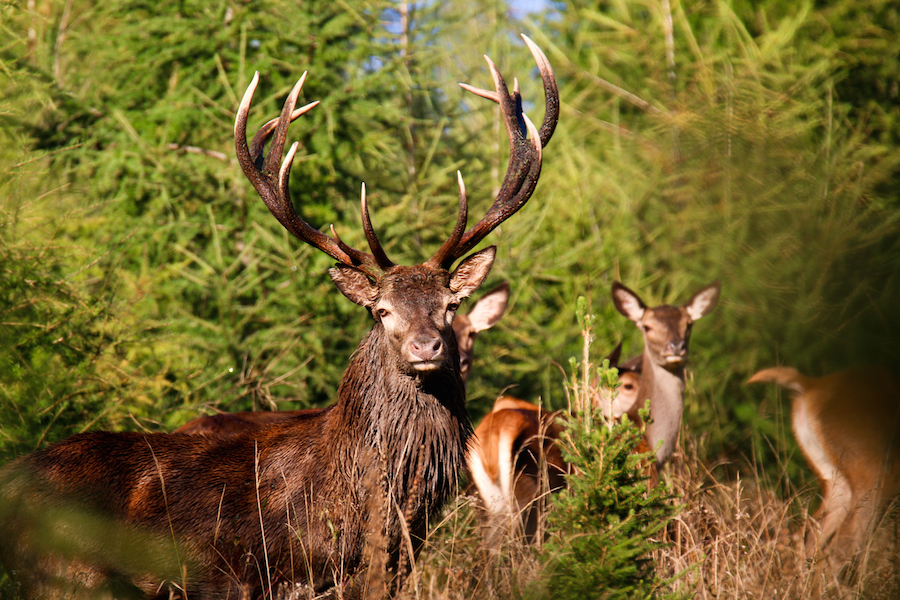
425 352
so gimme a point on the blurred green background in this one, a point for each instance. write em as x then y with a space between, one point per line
142 281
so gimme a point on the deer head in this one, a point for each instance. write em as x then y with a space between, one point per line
666 329
484 315
414 305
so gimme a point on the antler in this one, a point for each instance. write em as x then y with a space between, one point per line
271 181
525 140
524 161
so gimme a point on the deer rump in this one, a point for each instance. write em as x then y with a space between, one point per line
301 499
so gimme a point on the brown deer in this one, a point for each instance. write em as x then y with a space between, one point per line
339 500
667 333
515 460
483 315
848 426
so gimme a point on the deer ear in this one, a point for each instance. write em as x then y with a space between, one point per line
703 301
489 308
627 302
472 272
354 284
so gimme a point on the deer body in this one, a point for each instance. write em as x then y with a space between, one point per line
848 426
514 460
666 330
334 500
313 474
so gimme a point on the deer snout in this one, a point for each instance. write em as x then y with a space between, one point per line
426 352
676 352
465 361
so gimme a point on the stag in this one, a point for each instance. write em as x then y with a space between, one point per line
335 502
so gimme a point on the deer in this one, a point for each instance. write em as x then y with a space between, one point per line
337 502
848 427
515 460
667 332
485 313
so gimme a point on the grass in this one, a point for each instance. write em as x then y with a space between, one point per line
734 538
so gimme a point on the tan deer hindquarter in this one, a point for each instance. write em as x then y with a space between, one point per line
333 503
848 426
485 313
667 331
515 460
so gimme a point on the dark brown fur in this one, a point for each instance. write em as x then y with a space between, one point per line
484 315
348 480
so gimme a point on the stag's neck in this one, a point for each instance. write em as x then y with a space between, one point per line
416 424
665 388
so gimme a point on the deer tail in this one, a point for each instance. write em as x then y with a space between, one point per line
787 377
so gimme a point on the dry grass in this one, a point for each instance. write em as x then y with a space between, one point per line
739 539
733 539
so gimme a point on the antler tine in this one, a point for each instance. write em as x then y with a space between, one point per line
262 136
551 91
445 252
378 254
272 179
526 143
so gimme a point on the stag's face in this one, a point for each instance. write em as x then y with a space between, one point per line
416 306
416 309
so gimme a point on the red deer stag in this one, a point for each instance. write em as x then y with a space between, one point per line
667 333
514 460
337 501
484 315
848 426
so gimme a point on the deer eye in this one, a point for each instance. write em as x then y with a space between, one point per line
647 328
382 313
453 306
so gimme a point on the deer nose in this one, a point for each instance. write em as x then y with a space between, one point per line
426 348
677 348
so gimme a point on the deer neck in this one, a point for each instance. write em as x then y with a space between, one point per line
665 389
415 424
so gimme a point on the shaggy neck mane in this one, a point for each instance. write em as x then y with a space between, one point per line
416 423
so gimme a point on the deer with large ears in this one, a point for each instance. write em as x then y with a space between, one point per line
848 426
667 333
338 500
483 315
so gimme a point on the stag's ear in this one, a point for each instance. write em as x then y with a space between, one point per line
472 272
354 284
627 302
703 301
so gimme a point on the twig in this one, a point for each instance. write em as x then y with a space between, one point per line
195 150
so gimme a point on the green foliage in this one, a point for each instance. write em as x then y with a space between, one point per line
608 521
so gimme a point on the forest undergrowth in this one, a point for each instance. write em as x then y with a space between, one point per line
732 538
